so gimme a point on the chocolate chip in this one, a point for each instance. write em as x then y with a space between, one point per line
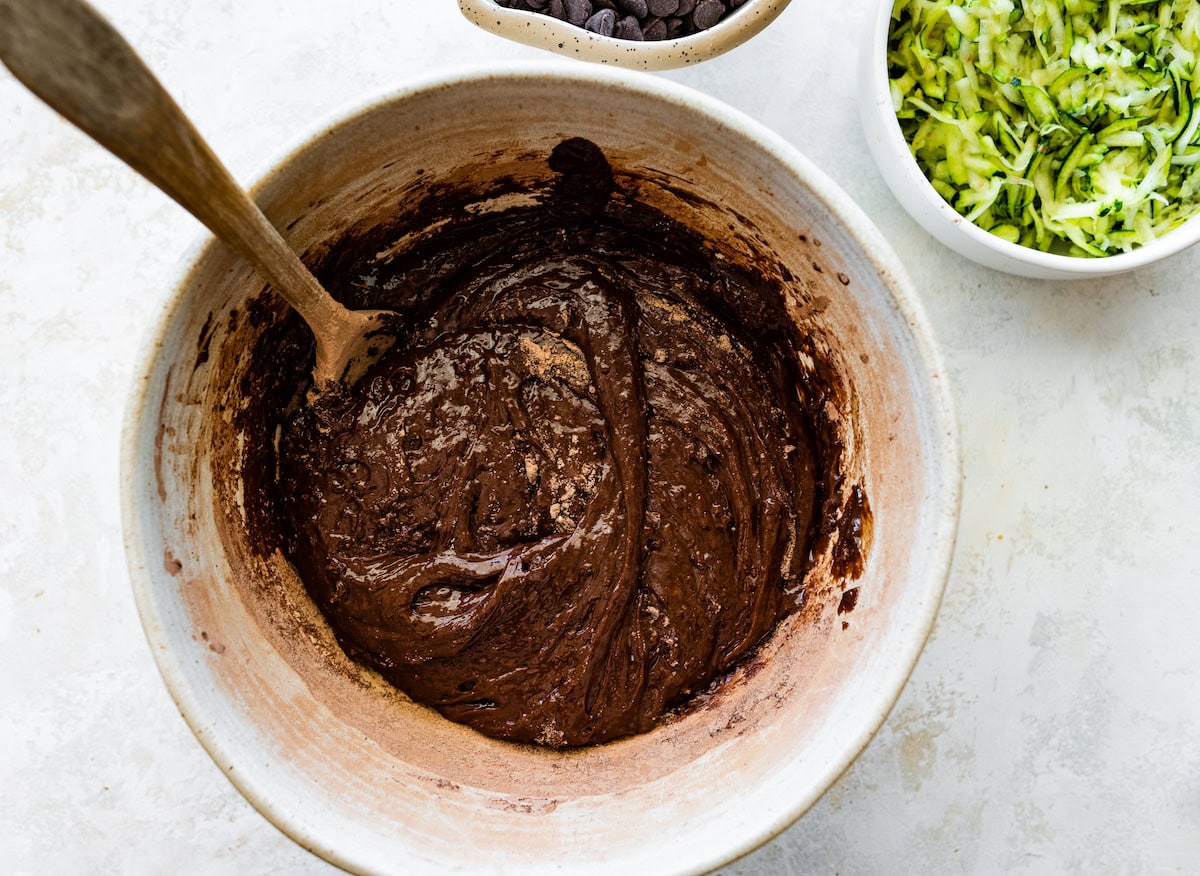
655 29
603 22
578 11
629 29
662 8
636 8
685 8
707 13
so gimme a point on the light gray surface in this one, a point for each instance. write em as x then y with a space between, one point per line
1052 723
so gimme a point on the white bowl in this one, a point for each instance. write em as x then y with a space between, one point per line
913 190
349 767
545 32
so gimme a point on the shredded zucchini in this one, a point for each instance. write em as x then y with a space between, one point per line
1070 127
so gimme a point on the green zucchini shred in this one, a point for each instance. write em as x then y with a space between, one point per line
1069 127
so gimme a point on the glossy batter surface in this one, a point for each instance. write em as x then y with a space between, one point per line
580 488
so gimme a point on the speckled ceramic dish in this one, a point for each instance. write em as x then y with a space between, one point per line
349 767
545 32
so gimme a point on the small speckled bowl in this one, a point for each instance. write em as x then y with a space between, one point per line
545 32
351 768
915 193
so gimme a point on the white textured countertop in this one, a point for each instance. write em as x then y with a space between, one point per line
1053 723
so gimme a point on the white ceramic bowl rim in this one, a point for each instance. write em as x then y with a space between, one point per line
942 414
1177 240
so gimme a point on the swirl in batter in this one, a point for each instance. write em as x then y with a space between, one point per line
580 488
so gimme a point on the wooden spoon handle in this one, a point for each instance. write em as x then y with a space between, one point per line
73 59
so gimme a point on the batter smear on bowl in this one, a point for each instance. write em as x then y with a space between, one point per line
584 484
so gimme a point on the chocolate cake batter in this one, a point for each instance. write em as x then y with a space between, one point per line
584 483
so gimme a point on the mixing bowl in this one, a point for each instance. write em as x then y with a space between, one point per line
349 767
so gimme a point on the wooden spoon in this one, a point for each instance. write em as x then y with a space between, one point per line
76 62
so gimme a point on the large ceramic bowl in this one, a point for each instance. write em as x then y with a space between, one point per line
349 767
